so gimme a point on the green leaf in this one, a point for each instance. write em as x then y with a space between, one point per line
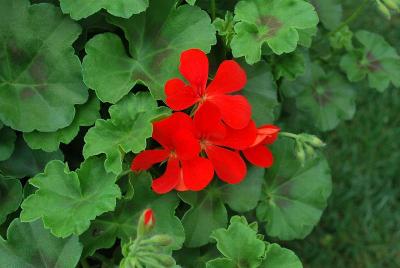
7 140
208 211
80 195
376 59
86 115
191 2
261 92
239 244
294 195
127 130
25 162
122 222
221 263
10 196
325 98
275 23
278 257
120 8
244 196
329 12
342 39
41 78
156 39
29 245
206 214
289 66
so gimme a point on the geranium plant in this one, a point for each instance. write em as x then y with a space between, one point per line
170 133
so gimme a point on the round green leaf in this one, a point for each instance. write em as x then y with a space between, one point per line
156 39
329 12
10 196
376 59
40 79
86 115
25 162
275 23
289 66
278 257
29 245
80 196
294 195
7 140
127 130
120 8
261 92
122 222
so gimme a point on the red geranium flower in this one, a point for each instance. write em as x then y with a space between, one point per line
230 77
180 148
258 153
215 139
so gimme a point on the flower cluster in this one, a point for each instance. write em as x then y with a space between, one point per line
213 138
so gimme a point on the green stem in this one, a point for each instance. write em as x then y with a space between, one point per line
213 10
289 135
351 18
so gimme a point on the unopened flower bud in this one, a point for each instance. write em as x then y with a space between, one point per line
300 154
146 222
312 140
392 4
383 9
161 240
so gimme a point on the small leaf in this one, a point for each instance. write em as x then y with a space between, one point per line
122 222
156 39
275 23
7 140
289 66
127 130
41 78
240 244
191 2
261 91
10 196
30 245
278 257
221 263
80 195
375 59
294 195
120 8
86 115
25 162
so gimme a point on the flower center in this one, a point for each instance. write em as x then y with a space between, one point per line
173 154
203 144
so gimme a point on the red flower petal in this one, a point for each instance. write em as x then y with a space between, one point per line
185 144
266 134
169 179
146 159
235 110
230 77
178 95
239 139
197 173
259 156
207 122
228 165
163 130
194 67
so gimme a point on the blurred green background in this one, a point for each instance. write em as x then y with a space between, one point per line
361 226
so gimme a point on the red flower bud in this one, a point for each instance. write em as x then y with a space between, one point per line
149 217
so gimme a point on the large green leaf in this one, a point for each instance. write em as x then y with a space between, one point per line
239 244
208 211
121 8
376 59
329 11
294 195
122 222
29 245
25 162
7 140
40 76
127 130
325 98
10 196
67 200
261 91
275 23
156 39
86 115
